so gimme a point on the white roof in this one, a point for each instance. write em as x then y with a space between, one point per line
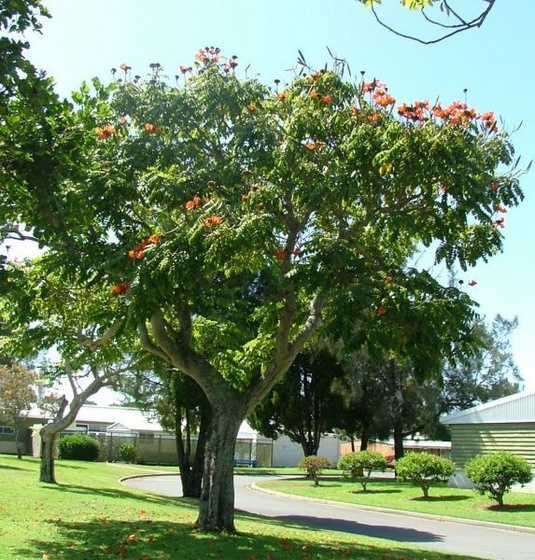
514 409
132 419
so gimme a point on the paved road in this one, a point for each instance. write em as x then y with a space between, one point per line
478 540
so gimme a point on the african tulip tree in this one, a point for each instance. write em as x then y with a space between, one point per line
224 218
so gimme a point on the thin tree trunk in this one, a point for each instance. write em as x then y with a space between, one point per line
48 449
216 506
364 439
18 443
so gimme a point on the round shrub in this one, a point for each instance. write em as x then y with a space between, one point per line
78 447
359 465
424 470
494 474
314 465
127 453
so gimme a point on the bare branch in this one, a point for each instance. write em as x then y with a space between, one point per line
463 25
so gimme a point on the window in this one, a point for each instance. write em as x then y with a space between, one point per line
146 436
6 430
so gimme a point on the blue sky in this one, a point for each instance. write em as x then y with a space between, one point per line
86 38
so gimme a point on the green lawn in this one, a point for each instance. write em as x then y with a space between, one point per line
519 507
91 515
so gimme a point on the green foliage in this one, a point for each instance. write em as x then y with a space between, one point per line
127 453
359 465
314 465
78 447
424 470
302 406
494 474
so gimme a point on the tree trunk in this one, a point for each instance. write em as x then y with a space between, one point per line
398 439
48 450
191 468
18 443
216 506
364 439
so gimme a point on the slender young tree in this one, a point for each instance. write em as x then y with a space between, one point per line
226 219
16 395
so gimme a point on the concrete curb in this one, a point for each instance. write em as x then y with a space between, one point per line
460 521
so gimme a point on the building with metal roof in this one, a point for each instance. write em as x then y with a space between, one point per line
506 424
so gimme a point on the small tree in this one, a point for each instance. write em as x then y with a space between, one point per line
424 470
359 466
314 465
16 395
494 474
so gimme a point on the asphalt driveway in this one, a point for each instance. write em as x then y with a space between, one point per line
480 540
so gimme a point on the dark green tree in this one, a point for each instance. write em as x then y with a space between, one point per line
302 406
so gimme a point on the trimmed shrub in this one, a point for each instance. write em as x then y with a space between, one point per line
494 474
359 465
314 465
127 453
424 470
78 447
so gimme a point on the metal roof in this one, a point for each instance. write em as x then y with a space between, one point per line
514 409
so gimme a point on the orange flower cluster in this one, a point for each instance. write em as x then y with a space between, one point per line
315 94
152 129
380 311
457 113
211 221
208 55
417 112
194 203
282 96
382 98
251 108
311 145
489 120
124 67
138 251
105 131
185 69
121 288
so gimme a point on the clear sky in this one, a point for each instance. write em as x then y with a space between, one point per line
86 38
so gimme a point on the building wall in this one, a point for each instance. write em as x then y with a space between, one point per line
469 440
287 453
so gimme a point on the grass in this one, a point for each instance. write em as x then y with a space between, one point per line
519 508
90 515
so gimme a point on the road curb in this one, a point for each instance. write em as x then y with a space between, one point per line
460 521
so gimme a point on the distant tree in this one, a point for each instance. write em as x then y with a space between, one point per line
314 465
302 406
489 373
442 16
359 466
16 395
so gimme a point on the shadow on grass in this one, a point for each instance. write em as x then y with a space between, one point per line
142 497
373 490
17 468
147 538
457 498
512 508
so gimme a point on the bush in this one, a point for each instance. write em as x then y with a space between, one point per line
78 447
494 474
127 453
314 465
424 469
359 465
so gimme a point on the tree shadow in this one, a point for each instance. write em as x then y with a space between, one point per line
142 497
16 468
143 537
455 498
512 508
376 491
